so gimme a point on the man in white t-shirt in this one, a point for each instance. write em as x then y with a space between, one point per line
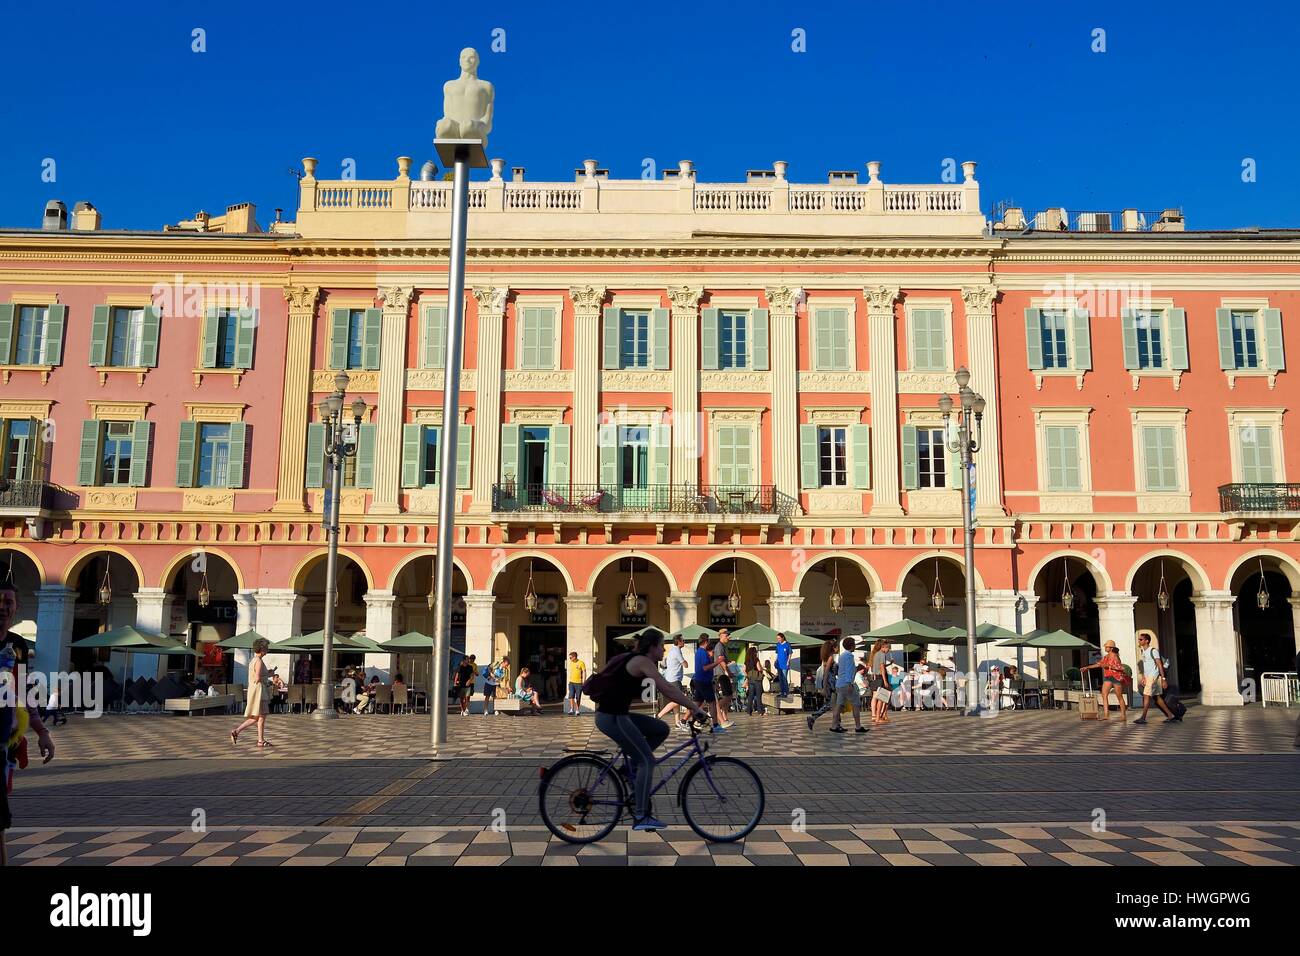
846 691
675 674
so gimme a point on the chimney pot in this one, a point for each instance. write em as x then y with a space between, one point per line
517 173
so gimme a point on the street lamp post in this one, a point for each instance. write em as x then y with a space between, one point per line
340 444
965 439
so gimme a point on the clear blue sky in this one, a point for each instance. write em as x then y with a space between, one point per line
150 131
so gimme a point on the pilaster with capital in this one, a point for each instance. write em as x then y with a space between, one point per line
580 616
56 608
479 609
785 387
491 373
979 301
687 439
884 401
586 382
295 406
1216 649
392 385
886 607
683 608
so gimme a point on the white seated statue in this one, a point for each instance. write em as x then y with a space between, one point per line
466 103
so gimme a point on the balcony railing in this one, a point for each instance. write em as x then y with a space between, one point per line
757 500
26 495
1260 498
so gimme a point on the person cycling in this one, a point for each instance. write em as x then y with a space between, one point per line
637 735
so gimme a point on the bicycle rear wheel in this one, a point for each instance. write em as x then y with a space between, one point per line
724 803
581 799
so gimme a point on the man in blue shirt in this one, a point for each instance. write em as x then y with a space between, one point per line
702 682
783 663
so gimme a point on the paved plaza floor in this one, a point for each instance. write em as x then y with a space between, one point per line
1222 788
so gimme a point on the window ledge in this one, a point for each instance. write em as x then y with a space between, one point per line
6 371
1234 374
138 371
237 373
1175 375
1074 373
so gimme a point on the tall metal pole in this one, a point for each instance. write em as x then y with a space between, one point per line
447 453
968 544
325 693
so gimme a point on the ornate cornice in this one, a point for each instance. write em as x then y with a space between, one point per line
302 298
587 298
735 381
835 382
635 380
685 297
491 299
539 380
881 298
979 298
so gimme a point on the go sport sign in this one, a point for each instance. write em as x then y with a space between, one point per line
547 610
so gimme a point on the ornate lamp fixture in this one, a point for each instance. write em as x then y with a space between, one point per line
837 597
106 588
205 593
1067 593
733 598
936 599
1162 595
630 600
1262 598
530 592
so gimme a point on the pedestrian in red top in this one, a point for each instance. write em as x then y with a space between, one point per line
1113 678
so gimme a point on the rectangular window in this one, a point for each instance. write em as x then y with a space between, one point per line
635 457
116 462
537 338
1148 327
733 340
1245 339
227 334
214 456
1062 446
634 340
356 337
831 340
1256 447
1159 442
29 336
929 340
1055 325
432 456
126 335
931 458
832 456
19 450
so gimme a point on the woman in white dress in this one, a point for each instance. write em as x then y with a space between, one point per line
259 695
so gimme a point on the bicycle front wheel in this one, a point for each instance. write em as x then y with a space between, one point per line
581 799
722 799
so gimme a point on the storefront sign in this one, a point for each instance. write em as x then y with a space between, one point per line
720 615
547 610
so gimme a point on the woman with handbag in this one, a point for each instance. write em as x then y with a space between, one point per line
878 667
1113 677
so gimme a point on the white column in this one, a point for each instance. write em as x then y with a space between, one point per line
487 414
586 383
886 607
279 617
479 607
245 620
379 628
785 389
1115 620
1295 621
1216 647
153 614
55 609
983 378
683 609
784 609
687 440
580 612
884 402
392 388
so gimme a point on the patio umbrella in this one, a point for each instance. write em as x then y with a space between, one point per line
412 642
360 639
240 642
692 633
907 628
315 641
765 636
984 633
1057 639
627 640
132 641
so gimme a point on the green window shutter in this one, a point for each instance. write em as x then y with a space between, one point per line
238 454
88 461
1062 458
822 357
860 449
435 336
809 457
365 456
464 455
607 443
314 476
1071 466
1157 441
744 457
609 335
149 336
1176 327
661 453
1223 319
929 340
510 454
558 459
140 433
6 333
55 321
1034 337
99 335
185 449
1273 339
758 322
726 469
339 319
245 329
546 339
211 328
659 337
709 338
840 339
370 341
1052 439
911 467
528 339
412 456
1264 455
1082 339
1128 328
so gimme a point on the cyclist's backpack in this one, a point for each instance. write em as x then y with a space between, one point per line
599 683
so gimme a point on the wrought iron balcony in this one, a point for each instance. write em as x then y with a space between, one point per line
27 496
757 501
1273 498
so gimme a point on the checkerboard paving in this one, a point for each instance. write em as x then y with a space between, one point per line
878 844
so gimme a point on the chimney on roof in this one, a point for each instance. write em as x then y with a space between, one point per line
517 173
56 216
85 217
842 177
1171 220
241 218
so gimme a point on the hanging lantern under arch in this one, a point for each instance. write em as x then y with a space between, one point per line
530 593
205 593
106 588
733 597
836 599
631 602
1262 599
1067 593
1162 595
936 597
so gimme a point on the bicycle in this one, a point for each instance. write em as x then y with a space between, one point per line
721 798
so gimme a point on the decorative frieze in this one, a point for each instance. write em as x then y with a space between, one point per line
1164 504
422 501
945 502
432 415
1063 504
735 381
925 383
538 415
110 499
434 379
231 412
635 380
852 382
25 409
208 499
832 502
359 380
539 380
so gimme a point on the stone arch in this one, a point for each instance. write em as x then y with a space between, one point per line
27 553
174 565
78 564
495 576
873 579
1288 565
956 559
299 576
428 553
644 556
1200 580
772 583
1099 572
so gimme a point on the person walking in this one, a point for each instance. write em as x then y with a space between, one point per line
259 696
846 691
825 680
702 691
577 677
1113 677
783 663
464 683
722 673
878 668
675 674
754 681
1154 681
491 681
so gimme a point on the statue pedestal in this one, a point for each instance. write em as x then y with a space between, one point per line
470 150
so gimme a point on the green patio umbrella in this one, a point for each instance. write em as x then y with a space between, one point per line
412 642
360 639
692 633
627 640
240 642
1057 639
315 641
907 628
131 641
764 636
984 633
